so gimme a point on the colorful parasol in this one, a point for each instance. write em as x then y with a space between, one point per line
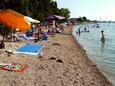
14 20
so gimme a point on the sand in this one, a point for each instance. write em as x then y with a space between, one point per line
64 63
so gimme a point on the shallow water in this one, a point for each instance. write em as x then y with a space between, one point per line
103 54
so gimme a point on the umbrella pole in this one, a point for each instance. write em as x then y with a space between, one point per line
2 42
3 32
12 41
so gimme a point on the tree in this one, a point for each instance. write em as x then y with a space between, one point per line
65 12
38 9
80 19
84 19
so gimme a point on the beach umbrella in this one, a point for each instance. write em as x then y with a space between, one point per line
31 19
14 20
55 17
59 17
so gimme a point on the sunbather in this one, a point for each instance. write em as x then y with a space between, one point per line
2 45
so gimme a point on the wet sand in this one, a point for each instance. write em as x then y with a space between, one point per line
64 63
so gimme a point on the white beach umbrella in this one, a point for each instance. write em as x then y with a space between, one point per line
31 20
59 17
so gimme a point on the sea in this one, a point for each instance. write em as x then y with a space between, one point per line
101 53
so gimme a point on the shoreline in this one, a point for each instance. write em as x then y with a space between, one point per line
90 62
105 73
64 63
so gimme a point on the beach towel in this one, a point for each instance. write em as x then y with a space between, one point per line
31 49
13 67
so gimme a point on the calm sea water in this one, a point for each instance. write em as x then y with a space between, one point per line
103 54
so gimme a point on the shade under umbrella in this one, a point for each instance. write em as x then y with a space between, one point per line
14 20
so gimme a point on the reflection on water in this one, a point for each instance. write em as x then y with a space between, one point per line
102 46
102 52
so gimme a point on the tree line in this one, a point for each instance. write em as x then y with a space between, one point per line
38 9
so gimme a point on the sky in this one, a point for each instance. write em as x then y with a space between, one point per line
92 9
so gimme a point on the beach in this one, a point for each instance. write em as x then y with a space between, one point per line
64 63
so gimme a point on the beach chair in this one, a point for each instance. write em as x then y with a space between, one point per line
28 38
23 37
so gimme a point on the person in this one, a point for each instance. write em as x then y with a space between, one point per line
49 32
44 36
2 45
76 32
29 32
85 29
79 32
102 36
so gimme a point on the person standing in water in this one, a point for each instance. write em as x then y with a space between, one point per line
79 32
102 36
85 29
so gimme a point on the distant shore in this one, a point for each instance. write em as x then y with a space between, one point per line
64 63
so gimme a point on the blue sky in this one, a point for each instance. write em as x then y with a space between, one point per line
92 9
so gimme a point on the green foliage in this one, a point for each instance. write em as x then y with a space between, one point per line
65 12
38 9
82 19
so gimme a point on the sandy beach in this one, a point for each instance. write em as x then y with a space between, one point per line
64 63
